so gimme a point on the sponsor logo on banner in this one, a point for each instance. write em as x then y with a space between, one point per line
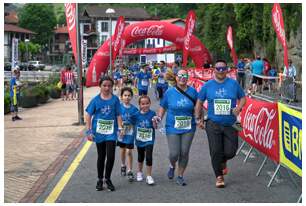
230 37
153 30
290 129
190 27
230 42
14 52
260 129
71 24
84 52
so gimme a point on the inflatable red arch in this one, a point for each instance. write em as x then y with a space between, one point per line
143 30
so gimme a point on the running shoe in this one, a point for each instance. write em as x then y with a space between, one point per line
220 182
180 181
150 180
130 176
171 172
110 185
123 170
99 185
18 118
139 177
13 119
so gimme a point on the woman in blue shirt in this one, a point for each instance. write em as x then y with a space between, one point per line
103 121
179 102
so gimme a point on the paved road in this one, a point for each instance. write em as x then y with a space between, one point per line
242 184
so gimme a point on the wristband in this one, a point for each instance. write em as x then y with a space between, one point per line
89 132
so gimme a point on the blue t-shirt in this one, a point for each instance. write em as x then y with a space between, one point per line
143 80
127 113
257 67
12 84
104 120
144 131
180 117
161 82
240 66
221 98
117 75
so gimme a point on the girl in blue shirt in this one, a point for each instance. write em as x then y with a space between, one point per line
126 143
103 121
143 81
145 137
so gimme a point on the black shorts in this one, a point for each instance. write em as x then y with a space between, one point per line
123 145
63 87
257 79
142 92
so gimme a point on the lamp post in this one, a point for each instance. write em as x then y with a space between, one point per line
110 11
27 59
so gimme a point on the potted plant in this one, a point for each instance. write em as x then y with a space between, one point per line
7 102
28 98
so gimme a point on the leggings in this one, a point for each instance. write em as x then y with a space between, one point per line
147 152
179 147
223 144
105 150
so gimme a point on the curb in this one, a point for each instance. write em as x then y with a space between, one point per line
43 181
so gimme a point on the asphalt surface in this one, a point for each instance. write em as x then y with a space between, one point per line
242 184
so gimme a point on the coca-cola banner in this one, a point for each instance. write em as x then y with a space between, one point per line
260 127
160 50
117 37
290 138
278 24
230 42
189 28
149 29
71 25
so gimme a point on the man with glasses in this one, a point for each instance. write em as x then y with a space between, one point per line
222 94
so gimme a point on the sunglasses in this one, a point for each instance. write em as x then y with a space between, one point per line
221 69
182 75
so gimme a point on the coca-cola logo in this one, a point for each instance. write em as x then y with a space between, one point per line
196 49
190 27
70 16
117 40
257 126
230 37
153 30
278 27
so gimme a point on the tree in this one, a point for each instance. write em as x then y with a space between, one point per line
39 18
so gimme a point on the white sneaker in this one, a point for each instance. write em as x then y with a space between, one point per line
150 180
139 177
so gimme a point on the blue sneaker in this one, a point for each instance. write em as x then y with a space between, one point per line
171 173
180 181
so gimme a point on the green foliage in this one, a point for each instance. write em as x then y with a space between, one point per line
7 99
39 18
53 78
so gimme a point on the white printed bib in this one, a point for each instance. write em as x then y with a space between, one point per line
144 134
105 126
222 106
182 122
161 80
144 82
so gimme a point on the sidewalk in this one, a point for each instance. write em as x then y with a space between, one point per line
34 143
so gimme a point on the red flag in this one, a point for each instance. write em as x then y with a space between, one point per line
71 26
117 37
278 24
230 42
189 28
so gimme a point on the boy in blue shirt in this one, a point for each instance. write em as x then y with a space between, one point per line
143 81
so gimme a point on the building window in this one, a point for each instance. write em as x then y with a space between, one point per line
103 38
104 26
56 47
86 28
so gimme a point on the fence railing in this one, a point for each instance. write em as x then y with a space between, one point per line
32 75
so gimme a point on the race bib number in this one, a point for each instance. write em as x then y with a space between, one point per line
182 122
128 129
222 106
161 80
144 134
105 126
144 82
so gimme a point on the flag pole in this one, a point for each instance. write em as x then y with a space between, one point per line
79 66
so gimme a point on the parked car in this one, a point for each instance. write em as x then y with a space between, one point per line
35 65
7 66
23 66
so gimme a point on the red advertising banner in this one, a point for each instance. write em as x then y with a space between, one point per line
166 49
117 37
71 25
230 42
260 127
278 24
189 28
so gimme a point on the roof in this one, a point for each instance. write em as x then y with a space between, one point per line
17 29
61 30
11 18
128 13
173 20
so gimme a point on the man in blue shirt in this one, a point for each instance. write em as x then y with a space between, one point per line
241 72
143 81
221 94
257 69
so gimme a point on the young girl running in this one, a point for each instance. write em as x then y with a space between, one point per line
145 137
103 121
126 143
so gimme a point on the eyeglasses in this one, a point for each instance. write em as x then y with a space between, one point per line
221 69
182 75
